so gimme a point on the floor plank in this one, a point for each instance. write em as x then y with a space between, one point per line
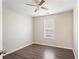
36 51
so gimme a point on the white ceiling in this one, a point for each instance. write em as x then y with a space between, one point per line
54 6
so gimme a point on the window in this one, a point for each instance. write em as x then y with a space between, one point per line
49 29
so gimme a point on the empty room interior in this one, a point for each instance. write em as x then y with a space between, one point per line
40 29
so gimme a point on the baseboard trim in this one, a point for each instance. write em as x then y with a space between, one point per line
75 54
16 49
53 46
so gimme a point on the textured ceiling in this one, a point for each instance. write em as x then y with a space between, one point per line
54 6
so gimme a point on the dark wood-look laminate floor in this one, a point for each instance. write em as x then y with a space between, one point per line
41 52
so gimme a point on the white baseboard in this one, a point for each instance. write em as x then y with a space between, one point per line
53 45
16 49
75 54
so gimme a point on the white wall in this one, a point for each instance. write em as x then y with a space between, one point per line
0 27
75 27
17 30
63 30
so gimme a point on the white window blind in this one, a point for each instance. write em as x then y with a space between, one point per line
49 29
